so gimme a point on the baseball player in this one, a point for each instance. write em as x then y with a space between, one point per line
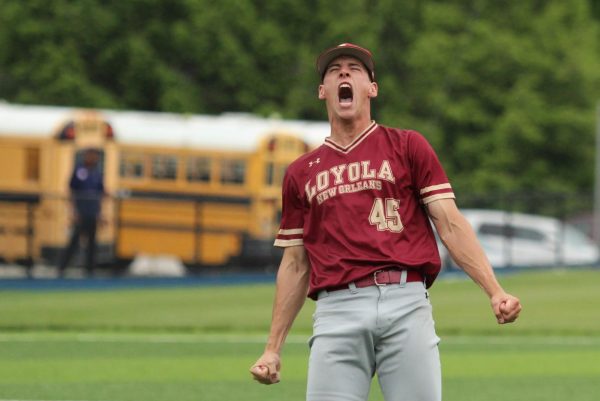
357 239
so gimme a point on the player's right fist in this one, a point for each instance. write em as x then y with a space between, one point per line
266 368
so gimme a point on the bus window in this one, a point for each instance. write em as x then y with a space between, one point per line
198 169
282 170
269 176
164 167
233 171
131 165
275 173
32 164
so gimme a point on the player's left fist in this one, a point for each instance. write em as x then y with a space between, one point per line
506 308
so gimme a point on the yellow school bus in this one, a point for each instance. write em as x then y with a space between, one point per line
203 189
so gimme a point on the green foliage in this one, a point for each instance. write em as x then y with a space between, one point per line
512 95
505 91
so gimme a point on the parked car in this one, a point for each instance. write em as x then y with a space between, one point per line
584 222
525 240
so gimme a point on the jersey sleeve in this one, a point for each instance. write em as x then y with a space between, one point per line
292 217
428 174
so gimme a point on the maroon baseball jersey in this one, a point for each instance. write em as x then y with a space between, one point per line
359 208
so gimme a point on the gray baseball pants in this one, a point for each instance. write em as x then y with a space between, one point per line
388 330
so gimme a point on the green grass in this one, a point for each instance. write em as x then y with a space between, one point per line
198 343
556 302
51 366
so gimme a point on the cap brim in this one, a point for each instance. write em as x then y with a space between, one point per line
329 55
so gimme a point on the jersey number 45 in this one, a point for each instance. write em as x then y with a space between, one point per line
385 216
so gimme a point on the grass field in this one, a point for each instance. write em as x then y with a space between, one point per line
197 343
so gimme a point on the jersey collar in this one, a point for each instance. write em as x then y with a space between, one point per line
359 138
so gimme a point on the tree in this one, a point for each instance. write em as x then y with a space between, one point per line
505 91
508 96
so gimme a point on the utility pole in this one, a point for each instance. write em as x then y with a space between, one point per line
596 215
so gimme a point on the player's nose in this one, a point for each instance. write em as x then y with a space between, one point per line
344 73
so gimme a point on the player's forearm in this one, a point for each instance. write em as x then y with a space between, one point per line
463 245
459 238
290 294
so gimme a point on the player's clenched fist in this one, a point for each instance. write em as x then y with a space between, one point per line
266 368
506 308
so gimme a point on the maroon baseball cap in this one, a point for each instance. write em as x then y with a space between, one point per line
346 49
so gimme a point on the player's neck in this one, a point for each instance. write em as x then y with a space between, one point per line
344 131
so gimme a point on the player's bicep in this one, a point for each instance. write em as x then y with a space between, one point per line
427 173
291 227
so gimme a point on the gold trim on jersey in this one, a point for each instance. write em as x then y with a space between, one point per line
435 188
291 231
284 243
429 199
346 149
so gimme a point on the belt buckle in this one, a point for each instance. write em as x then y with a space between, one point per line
378 284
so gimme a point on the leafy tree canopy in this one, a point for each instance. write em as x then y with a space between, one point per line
505 91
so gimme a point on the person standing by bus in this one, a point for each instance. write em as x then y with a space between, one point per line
87 189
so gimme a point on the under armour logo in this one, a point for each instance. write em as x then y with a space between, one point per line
310 164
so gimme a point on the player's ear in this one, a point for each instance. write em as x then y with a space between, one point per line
373 89
321 92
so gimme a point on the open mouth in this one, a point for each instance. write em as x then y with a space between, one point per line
345 93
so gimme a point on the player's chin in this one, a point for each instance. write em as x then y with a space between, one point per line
346 113
346 107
